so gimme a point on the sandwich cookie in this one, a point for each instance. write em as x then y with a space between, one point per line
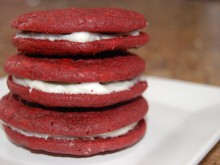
73 131
78 31
77 82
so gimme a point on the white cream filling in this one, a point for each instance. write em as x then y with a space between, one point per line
115 133
77 88
81 37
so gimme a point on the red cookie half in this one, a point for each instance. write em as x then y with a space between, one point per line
71 122
80 146
64 21
65 47
76 100
104 67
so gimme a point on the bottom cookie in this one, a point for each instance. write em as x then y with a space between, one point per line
83 146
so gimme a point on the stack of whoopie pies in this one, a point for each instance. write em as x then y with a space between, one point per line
74 89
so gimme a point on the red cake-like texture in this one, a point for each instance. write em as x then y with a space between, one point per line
70 121
76 100
64 21
65 47
82 147
106 67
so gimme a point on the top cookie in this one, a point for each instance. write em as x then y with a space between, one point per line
78 31
63 21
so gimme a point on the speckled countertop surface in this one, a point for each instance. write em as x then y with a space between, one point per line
185 38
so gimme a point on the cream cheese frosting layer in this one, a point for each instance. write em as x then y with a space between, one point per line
81 37
115 133
77 88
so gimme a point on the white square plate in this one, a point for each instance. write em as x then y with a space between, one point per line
183 125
